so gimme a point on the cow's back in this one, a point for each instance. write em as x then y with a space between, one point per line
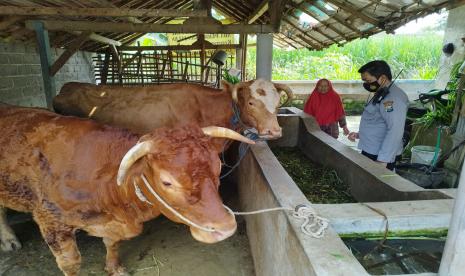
144 108
49 156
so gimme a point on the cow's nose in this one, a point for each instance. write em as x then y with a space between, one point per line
273 132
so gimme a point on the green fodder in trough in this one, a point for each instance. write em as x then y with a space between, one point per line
319 184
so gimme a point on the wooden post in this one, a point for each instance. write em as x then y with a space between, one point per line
452 262
244 58
106 63
43 44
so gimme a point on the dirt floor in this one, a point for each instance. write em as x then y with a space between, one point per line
165 248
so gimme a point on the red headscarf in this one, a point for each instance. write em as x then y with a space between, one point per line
326 108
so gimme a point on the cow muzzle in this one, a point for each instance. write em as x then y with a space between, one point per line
214 236
271 133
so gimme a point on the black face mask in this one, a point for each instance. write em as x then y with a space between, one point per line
371 86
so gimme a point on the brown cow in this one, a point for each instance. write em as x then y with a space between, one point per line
142 109
64 170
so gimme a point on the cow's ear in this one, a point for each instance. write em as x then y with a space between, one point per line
230 88
227 86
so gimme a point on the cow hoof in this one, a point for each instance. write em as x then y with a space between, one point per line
10 245
120 271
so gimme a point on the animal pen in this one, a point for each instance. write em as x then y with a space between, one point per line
103 35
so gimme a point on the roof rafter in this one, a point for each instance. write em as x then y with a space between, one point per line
355 12
323 23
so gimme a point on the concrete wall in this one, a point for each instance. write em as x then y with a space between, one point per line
455 31
354 89
277 243
362 174
20 73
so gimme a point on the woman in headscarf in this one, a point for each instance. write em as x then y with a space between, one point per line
326 106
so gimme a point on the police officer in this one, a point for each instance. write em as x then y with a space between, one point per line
383 119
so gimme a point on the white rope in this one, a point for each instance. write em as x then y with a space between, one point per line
313 225
179 215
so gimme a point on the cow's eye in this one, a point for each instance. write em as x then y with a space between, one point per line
250 103
166 183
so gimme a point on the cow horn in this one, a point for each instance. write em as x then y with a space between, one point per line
222 132
134 154
285 88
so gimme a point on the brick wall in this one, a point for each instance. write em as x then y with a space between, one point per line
21 78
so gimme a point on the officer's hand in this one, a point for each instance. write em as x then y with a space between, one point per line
352 136
346 130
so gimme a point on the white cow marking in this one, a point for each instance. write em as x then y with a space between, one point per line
271 99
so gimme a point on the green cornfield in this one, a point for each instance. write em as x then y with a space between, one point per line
417 55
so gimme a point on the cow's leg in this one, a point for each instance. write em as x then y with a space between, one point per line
61 240
9 241
112 265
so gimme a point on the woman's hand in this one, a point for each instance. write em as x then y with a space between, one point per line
346 130
353 136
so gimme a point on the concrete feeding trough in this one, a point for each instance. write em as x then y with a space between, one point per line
278 245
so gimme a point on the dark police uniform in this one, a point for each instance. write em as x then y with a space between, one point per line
382 127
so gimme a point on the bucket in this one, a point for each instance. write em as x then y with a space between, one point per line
423 155
421 174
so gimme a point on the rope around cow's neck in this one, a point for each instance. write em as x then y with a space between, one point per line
313 225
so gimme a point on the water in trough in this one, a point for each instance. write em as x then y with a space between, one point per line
398 256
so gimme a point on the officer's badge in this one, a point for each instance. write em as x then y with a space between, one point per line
389 106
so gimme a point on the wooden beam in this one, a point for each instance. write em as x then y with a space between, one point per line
203 5
355 12
104 40
178 47
336 17
100 12
10 20
322 45
276 13
325 24
43 44
75 45
57 25
259 11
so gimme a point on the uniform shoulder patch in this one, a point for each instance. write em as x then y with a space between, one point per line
388 106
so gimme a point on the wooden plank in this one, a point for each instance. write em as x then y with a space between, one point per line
178 47
323 23
61 25
100 38
117 58
100 12
10 20
43 44
129 61
335 17
355 12
259 11
75 45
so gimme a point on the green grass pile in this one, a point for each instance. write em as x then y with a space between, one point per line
319 184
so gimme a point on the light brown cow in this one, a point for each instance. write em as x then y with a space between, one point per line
64 170
142 109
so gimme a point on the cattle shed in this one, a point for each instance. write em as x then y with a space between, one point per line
45 44
94 41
